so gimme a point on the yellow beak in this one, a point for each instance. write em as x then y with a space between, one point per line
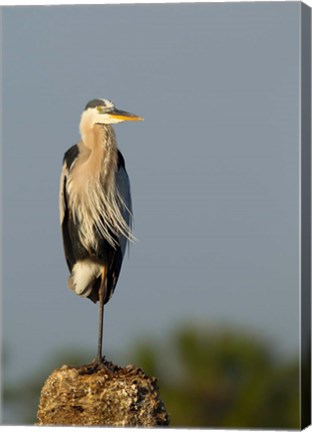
124 115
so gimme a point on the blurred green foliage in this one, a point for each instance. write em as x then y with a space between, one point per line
208 377
223 378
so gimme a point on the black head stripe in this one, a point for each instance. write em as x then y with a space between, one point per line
94 103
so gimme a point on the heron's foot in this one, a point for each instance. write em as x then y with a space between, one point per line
96 365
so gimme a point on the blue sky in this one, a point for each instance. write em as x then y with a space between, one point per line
214 169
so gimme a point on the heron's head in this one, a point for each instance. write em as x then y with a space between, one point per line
104 112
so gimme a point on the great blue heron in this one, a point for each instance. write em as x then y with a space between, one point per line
95 207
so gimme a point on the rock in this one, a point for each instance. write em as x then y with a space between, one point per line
107 396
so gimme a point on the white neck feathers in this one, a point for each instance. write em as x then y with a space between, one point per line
95 200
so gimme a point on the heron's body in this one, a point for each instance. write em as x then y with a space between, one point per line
95 205
86 248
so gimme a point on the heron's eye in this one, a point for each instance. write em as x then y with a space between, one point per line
100 109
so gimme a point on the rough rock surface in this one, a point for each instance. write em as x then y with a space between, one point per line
110 396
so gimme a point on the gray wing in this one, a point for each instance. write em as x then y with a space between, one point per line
123 186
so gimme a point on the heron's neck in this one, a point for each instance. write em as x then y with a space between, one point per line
102 161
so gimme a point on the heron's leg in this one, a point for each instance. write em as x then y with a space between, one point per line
102 290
